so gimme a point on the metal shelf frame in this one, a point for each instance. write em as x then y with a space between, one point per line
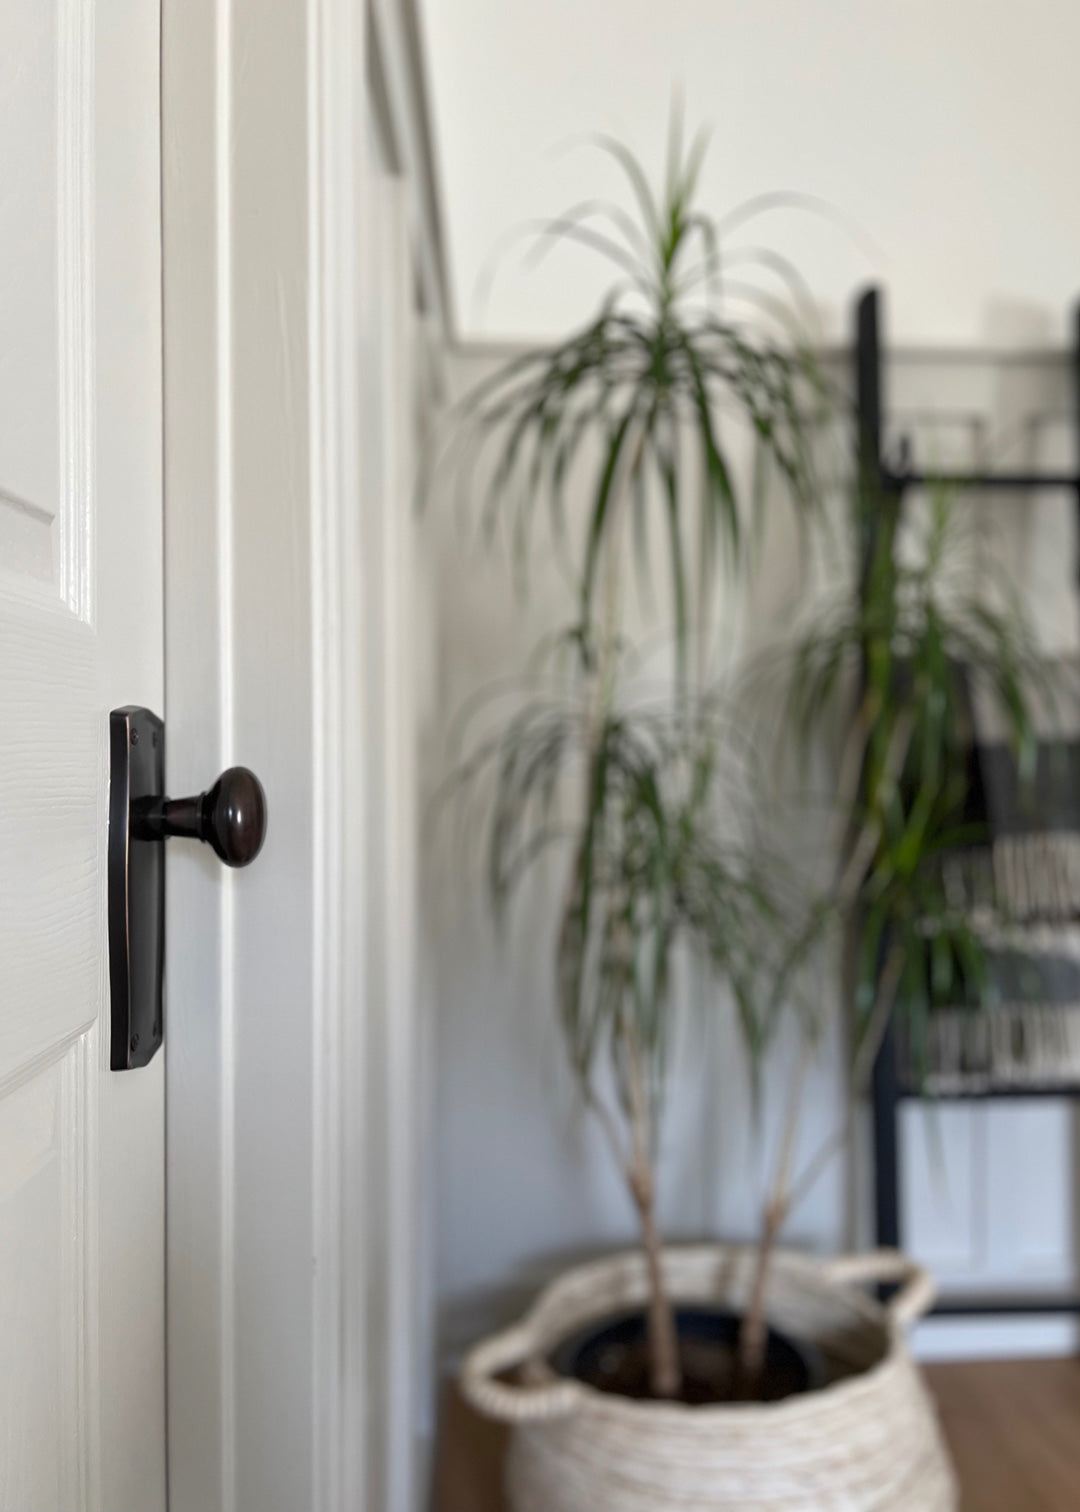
890 484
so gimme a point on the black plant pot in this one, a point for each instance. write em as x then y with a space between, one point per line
612 1355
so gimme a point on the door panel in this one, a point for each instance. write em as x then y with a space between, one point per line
43 1240
81 1149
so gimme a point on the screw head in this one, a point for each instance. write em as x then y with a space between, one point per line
134 1042
134 737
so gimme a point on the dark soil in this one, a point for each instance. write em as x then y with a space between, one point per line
613 1357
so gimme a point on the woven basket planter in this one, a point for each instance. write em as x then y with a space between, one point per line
867 1442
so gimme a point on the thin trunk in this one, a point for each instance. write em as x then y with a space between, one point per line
849 974
665 1370
754 1333
788 1193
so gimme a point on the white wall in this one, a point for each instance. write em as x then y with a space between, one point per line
945 129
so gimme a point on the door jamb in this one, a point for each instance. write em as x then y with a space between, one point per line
268 1358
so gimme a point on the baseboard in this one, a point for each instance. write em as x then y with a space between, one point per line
984 1337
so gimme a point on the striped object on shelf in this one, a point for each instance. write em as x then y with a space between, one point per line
1021 892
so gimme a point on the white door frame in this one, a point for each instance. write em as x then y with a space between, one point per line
270 1159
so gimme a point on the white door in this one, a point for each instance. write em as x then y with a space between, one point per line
81 1148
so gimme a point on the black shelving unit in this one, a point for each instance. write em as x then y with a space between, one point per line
889 481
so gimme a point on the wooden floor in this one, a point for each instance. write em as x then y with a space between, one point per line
1014 1429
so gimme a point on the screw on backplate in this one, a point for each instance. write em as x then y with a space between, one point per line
134 1042
134 737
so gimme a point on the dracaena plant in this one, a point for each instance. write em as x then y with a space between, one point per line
663 853
891 660
636 414
636 411
930 630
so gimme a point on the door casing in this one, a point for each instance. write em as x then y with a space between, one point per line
271 1166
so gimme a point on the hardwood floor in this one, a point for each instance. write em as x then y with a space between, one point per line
1014 1428
468 1464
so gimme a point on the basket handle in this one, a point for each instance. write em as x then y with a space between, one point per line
509 1403
917 1286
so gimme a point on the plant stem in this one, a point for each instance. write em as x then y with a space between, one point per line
888 986
665 1371
754 1333
788 1195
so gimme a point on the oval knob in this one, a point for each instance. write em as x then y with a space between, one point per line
230 817
233 816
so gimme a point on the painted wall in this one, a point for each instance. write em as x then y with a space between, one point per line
944 130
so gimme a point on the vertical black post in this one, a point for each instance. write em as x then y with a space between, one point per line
886 1100
880 491
1076 422
875 498
868 387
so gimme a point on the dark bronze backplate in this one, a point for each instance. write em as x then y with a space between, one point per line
136 890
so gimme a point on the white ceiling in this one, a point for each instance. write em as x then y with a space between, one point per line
946 129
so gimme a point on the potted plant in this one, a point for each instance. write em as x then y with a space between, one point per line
656 857
664 854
